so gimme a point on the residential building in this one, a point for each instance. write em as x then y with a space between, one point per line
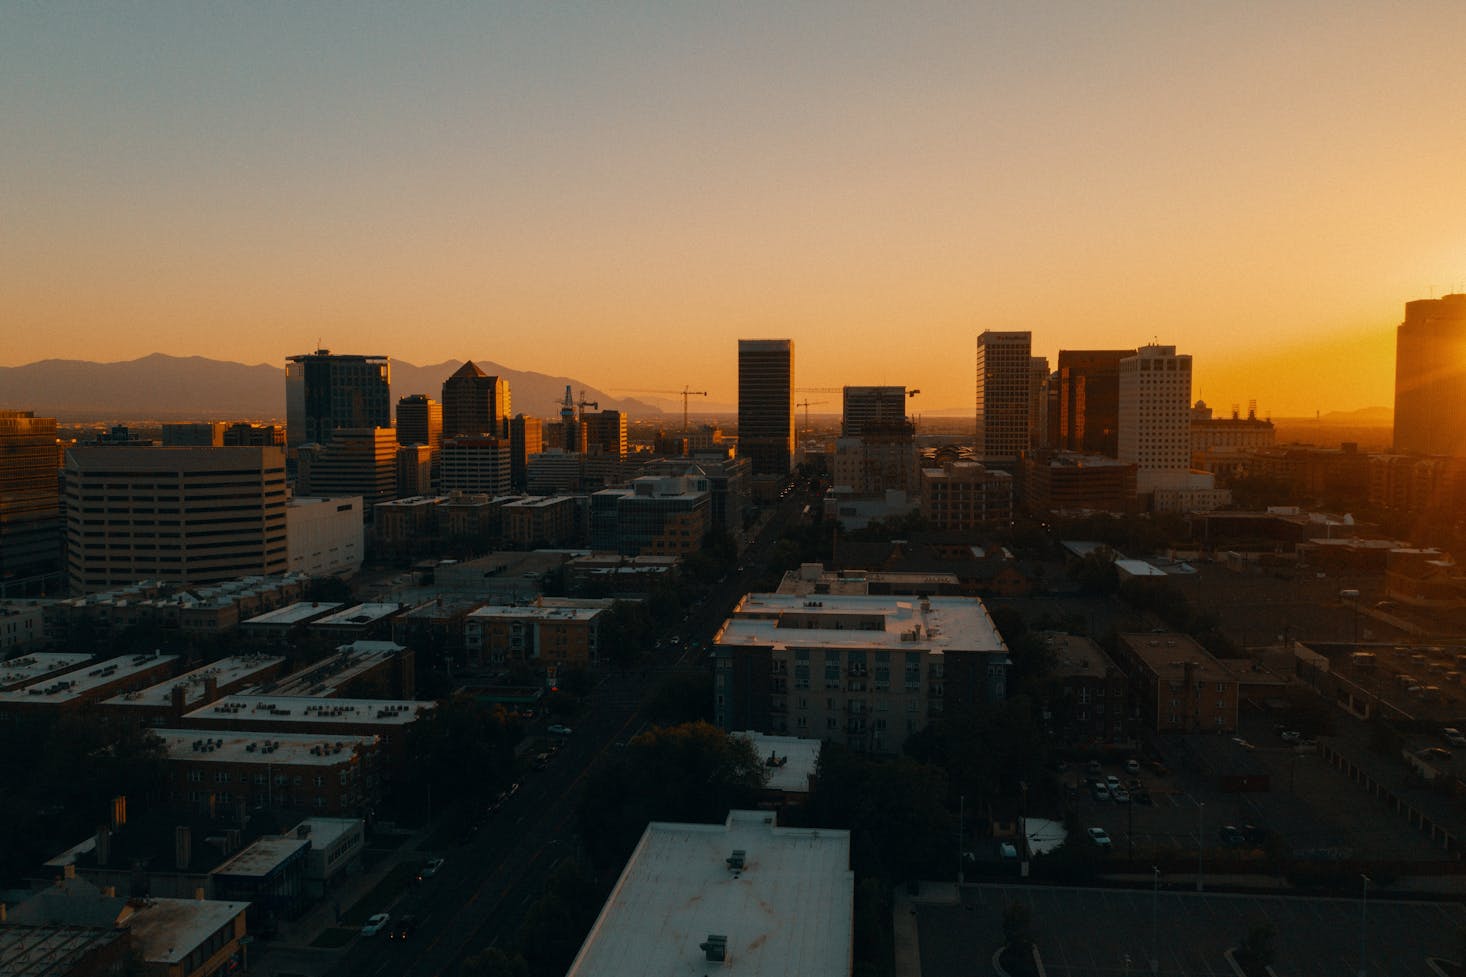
1430 377
746 894
1089 400
475 405
1155 416
549 632
29 669
325 392
728 480
22 627
195 515
420 421
1177 685
81 687
1090 701
766 405
404 526
165 703
362 669
324 536
283 626
1003 396
964 495
1068 482
863 406
865 671
31 527
356 461
539 521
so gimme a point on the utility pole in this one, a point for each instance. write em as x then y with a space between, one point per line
1200 810
1363 925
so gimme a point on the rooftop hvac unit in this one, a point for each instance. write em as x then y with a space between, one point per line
715 948
736 860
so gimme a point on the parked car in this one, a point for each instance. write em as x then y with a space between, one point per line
1291 735
558 730
404 927
1230 836
375 924
1101 792
1112 782
1120 795
430 868
1453 736
1100 837
1007 850
1132 766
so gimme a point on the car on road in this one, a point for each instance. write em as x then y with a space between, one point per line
431 868
558 730
1112 782
375 924
1101 792
1453 736
1100 837
1290 736
1120 795
404 927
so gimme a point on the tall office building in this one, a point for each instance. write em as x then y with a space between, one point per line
475 405
1155 415
1089 400
1430 377
605 432
526 437
244 434
187 515
475 465
420 421
866 405
1003 381
30 502
1038 402
356 461
766 405
327 391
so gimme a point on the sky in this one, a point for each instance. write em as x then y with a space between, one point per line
620 191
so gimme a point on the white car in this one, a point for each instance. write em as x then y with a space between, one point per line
1453 736
558 730
431 868
1120 795
376 924
1100 837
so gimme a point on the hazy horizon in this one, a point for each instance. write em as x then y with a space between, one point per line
621 192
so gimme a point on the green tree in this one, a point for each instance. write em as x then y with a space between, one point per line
460 734
556 925
682 697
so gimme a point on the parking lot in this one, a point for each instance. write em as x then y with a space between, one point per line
1087 932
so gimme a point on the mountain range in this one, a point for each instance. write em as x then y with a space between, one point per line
161 387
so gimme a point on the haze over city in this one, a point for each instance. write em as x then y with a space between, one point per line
620 192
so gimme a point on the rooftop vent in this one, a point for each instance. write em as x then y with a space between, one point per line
736 860
715 947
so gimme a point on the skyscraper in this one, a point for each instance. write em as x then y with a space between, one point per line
30 501
1003 395
526 437
867 405
420 421
475 405
766 404
605 432
357 461
1089 400
1430 377
1155 414
325 392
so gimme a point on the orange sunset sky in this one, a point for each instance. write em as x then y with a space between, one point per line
618 192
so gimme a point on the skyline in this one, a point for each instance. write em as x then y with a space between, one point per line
649 186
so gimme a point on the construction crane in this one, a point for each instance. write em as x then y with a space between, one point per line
807 404
819 390
684 393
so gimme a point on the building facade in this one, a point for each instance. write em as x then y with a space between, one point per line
1089 400
1003 395
195 515
766 405
475 405
326 391
1155 415
420 421
1430 377
30 503
962 495
476 464
356 461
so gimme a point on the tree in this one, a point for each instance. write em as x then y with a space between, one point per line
494 962
1017 926
555 926
682 697
460 734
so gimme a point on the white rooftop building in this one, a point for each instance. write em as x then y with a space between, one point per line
746 894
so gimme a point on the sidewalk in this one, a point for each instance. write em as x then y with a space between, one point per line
907 943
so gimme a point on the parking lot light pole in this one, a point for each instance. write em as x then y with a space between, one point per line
1200 810
1363 922
1155 891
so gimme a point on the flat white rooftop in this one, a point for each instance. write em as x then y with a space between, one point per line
787 912
323 832
556 613
286 709
225 672
361 614
37 665
861 621
75 684
279 749
291 614
794 760
322 678
259 858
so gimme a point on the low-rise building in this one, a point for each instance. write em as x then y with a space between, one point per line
282 626
1177 684
22 626
1092 704
269 875
965 495
695 898
864 671
37 666
164 704
548 632
336 847
657 515
537 521
363 622
375 665
1067 482
325 535
82 686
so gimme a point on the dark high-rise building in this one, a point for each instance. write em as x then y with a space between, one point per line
475 405
526 437
766 404
420 421
30 502
243 434
1430 377
325 392
1003 395
882 406
1089 400
605 432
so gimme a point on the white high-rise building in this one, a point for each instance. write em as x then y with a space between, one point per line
1155 415
1003 371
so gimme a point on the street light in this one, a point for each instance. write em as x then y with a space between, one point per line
1363 917
1200 810
1155 956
